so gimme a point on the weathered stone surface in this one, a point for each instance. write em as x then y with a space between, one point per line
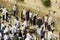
37 5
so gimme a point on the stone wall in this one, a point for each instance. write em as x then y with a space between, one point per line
11 1
34 4
37 5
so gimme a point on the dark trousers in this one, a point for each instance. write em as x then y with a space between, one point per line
49 27
46 24
14 13
0 26
42 37
6 18
30 21
34 22
39 25
50 39
3 17
0 10
27 18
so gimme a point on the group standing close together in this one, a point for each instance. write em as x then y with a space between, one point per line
33 27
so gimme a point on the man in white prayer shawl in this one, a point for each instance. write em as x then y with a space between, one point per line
4 12
2 25
28 36
6 37
15 9
25 24
30 14
52 36
24 12
16 22
6 29
46 20
0 35
14 29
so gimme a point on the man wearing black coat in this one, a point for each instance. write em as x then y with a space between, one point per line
27 15
15 37
39 22
34 19
7 13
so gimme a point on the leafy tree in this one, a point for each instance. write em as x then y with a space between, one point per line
21 0
47 3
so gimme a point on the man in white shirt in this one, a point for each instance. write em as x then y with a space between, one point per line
1 8
2 25
30 18
6 30
29 37
30 14
4 13
49 35
6 37
46 20
15 9
16 22
0 35
50 19
25 24
24 12
14 29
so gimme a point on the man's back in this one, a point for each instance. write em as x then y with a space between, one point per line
15 37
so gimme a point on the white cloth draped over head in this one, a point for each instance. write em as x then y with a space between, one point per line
29 37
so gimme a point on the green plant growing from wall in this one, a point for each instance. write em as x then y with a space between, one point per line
21 0
46 3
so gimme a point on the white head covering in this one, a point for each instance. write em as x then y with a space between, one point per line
35 15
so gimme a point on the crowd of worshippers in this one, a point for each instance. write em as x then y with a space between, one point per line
33 27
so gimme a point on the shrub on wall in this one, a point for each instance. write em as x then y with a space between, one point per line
21 0
47 3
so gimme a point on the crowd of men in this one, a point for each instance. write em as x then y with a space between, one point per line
30 27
